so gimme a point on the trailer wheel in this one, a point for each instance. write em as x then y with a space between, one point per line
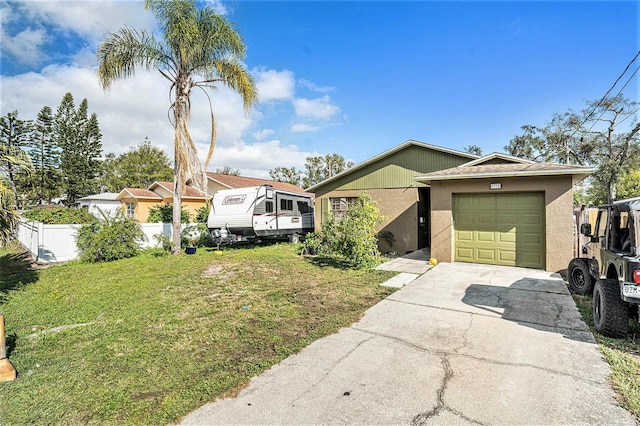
610 313
580 280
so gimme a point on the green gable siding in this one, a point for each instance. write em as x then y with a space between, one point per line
396 170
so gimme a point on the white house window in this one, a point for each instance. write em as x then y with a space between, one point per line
339 206
131 210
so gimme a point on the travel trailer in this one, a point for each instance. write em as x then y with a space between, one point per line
259 212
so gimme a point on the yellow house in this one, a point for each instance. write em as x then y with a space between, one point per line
136 202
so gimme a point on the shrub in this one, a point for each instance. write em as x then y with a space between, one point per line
60 216
357 235
112 238
163 213
202 214
352 236
196 236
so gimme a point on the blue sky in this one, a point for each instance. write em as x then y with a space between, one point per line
355 78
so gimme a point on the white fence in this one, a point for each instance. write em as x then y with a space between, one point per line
57 243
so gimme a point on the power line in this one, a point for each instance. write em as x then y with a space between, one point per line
606 94
617 94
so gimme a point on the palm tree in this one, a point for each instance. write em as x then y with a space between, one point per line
199 48
15 159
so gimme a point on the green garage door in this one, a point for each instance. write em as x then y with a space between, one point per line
500 229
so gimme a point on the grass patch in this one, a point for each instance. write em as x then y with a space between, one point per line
623 355
148 339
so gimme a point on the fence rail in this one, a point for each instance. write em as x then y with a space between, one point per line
57 243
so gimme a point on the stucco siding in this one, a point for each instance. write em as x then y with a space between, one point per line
399 208
558 212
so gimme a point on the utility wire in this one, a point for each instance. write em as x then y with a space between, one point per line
630 115
606 94
617 94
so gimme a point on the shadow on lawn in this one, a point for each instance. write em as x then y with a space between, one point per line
324 261
16 273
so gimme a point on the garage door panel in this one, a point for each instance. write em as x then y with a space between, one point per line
485 237
507 237
485 218
486 255
507 257
502 229
464 254
466 236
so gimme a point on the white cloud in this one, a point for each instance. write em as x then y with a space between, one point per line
302 127
314 87
130 111
257 159
25 46
320 108
274 85
91 19
263 134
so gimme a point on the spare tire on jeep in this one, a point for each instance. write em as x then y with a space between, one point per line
580 280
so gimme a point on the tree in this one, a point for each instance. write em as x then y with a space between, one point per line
79 138
227 170
473 149
288 175
198 48
14 138
320 168
137 168
14 159
629 184
592 137
45 157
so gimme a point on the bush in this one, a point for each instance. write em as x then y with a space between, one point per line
163 213
354 235
60 216
202 214
196 236
113 238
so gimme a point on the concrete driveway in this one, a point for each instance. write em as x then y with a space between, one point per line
461 344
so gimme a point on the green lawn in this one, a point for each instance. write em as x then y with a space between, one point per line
147 340
623 356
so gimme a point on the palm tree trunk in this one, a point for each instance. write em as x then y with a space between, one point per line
181 115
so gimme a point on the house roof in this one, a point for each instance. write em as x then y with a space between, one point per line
232 182
387 153
189 192
104 196
510 167
138 193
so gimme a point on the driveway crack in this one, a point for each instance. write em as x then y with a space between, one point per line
326 374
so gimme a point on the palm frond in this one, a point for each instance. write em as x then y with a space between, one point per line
121 52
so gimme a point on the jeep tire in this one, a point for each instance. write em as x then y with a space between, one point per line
580 280
610 313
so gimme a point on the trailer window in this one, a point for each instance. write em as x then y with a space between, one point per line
286 204
303 207
268 206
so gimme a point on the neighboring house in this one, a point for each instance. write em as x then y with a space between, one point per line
389 179
107 202
496 209
218 181
136 202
